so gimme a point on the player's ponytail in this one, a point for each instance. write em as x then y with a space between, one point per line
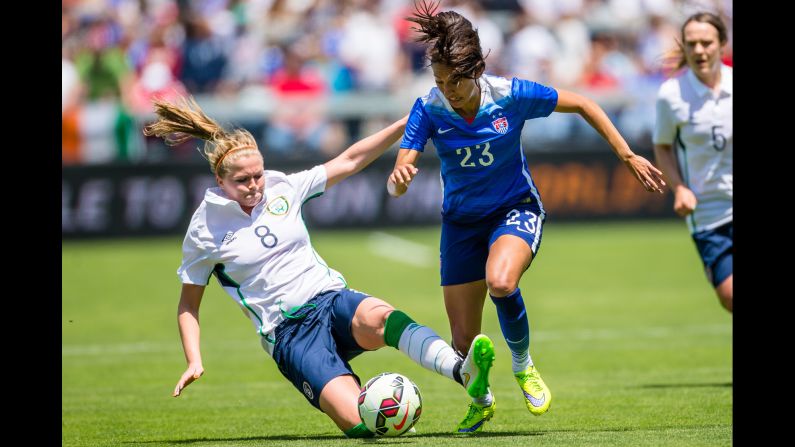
179 122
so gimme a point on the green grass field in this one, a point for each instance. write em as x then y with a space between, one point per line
624 328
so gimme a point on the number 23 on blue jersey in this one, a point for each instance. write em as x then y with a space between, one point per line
484 159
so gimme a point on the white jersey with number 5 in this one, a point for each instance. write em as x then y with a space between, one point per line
264 261
698 123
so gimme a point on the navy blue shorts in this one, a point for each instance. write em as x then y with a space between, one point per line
316 345
717 252
464 249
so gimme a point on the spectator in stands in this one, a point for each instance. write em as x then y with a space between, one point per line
156 80
299 123
531 51
369 44
101 63
204 55
72 92
231 47
492 214
694 117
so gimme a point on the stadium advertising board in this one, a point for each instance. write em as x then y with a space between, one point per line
144 200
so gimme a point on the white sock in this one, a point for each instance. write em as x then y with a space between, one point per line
520 362
485 400
428 350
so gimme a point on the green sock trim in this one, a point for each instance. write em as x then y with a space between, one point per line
395 324
359 431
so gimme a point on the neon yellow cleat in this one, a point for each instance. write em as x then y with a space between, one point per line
476 366
537 395
476 417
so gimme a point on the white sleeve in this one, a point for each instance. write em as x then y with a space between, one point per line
196 266
664 126
308 184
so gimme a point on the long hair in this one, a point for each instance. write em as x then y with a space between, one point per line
179 122
451 40
675 59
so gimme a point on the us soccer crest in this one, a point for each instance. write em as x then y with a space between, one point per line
500 125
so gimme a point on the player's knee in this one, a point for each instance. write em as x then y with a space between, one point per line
726 302
501 285
725 293
373 312
725 298
379 314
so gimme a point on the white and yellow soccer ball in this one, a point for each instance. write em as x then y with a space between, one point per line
390 404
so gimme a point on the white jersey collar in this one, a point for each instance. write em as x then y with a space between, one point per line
216 196
702 90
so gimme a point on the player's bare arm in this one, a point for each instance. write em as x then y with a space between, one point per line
188 318
363 152
405 169
649 176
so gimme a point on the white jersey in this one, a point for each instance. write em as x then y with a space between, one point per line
264 261
698 124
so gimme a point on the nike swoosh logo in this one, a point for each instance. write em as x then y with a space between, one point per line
534 401
466 379
403 422
473 428
445 131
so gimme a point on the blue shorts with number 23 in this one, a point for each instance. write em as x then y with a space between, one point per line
464 249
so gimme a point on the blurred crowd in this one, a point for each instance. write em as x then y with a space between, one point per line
301 54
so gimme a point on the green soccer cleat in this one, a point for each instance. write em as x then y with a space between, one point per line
475 368
536 394
476 417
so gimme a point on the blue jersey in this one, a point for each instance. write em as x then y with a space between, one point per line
483 164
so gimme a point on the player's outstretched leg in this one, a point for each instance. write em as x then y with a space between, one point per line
475 378
537 396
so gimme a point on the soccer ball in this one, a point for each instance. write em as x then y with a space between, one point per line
390 404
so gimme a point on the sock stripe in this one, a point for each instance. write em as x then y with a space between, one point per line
517 341
422 343
424 346
435 363
411 329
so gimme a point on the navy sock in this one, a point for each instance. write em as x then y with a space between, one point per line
515 328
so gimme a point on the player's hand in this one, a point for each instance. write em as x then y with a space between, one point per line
650 177
400 178
684 201
189 376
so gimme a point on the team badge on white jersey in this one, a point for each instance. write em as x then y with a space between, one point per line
500 125
278 206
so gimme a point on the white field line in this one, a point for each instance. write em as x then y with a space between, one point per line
646 333
401 250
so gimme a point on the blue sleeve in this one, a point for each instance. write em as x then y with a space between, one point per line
418 128
534 100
